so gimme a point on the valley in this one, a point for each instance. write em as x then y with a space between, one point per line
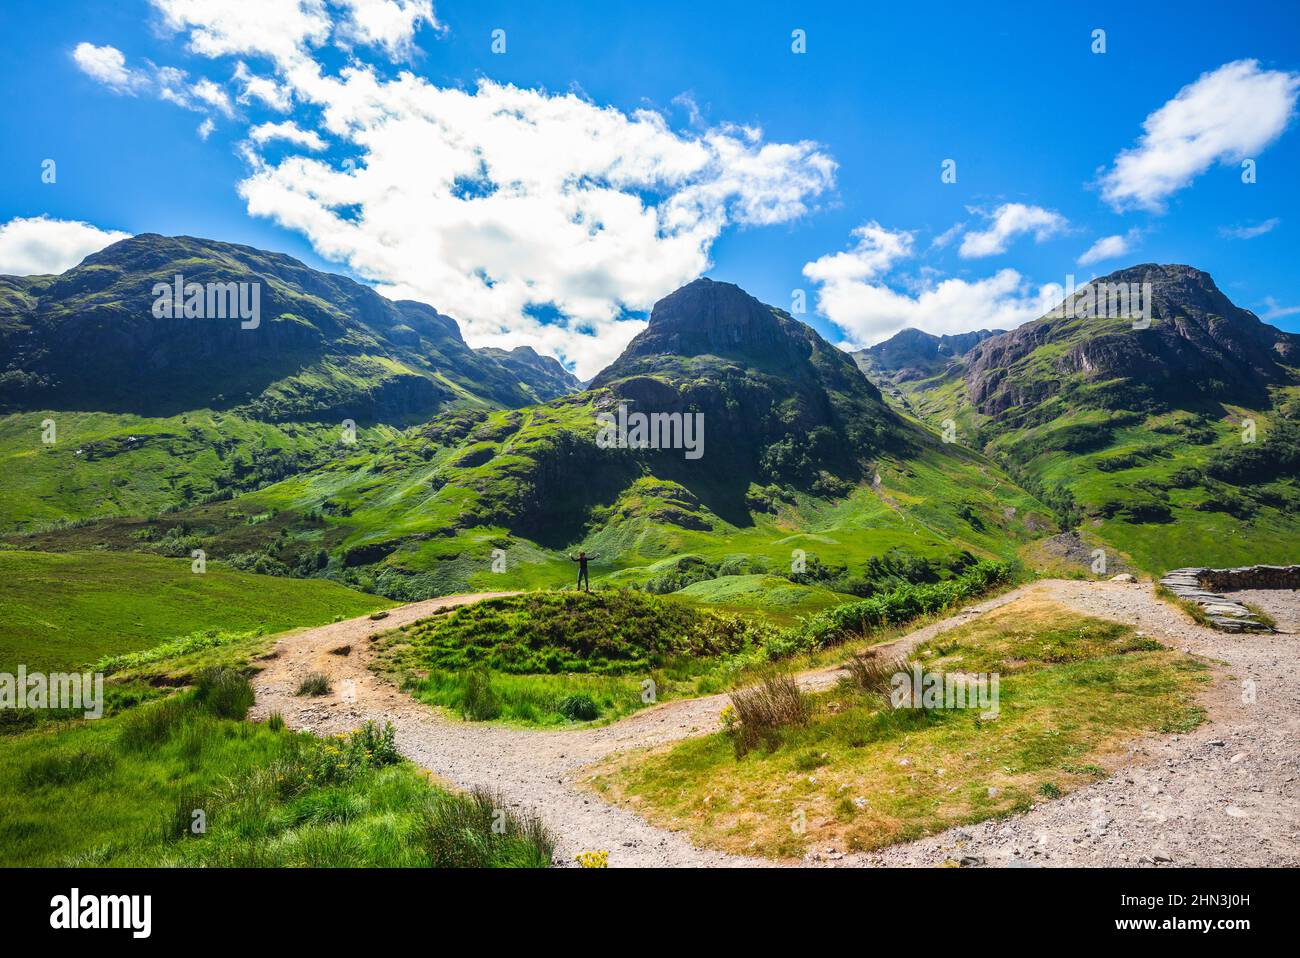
343 519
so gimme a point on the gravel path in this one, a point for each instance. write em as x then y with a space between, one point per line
1173 802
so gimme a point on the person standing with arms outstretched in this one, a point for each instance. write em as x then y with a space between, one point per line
582 559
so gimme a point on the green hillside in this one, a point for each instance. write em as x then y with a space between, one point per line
66 611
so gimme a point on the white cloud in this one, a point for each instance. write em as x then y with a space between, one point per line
871 312
262 88
1249 232
108 65
40 245
389 24
206 128
278 29
1109 247
1276 310
853 296
876 252
211 94
495 204
1006 223
1225 116
289 131
489 203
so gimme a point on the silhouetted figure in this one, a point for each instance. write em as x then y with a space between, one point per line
582 558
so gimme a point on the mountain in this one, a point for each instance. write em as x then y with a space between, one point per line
806 486
156 412
323 348
1200 346
913 354
781 402
1142 433
544 376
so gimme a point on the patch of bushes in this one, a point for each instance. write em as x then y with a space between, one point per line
609 632
837 624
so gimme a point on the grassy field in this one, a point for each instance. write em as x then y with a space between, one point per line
65 611
186 782
860 774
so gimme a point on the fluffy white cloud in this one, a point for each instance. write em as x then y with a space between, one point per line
108 65
209 93
1251 231
498 202
262 89
278 29
1109 247
533 218
1006 223
875 253
389 24
1225 116
289 131
853 295
37 245
871 312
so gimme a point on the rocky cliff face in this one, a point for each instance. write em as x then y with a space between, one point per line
543 375
785 404
322 346
1198 344
913 354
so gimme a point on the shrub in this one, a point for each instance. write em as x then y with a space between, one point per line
578 708
761 712
481 701
899 605
317 683
225 692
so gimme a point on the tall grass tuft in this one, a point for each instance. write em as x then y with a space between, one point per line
763 710
223 691
478 831
873 674
481 701
317 683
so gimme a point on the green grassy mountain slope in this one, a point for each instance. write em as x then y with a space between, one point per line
800 456
156 413
1143 436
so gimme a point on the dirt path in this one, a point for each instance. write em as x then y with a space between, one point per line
1172 803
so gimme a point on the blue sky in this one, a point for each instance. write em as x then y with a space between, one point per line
853 135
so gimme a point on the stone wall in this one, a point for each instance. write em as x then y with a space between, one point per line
1203 586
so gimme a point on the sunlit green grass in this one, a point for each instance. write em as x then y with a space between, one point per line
68 610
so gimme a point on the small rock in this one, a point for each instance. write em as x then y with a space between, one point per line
1122 577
